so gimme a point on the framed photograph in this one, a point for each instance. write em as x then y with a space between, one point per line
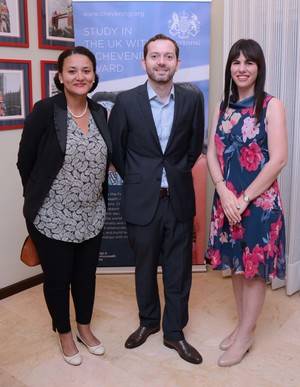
13 23
48 71
15 92
55 19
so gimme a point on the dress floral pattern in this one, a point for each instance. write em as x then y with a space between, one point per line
256 245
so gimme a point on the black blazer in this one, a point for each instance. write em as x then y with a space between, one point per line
43 145
138 157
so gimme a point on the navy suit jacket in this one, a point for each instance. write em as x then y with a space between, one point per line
43 145
138 157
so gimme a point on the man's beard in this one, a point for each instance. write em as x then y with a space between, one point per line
162 79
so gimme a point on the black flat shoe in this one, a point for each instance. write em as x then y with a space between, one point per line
186 351
139 336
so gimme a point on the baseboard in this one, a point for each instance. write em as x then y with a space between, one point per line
20 286
38 279
131 269
292 276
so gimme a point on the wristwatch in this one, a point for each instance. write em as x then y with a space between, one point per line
246 198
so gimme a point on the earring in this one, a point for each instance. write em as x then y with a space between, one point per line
61 82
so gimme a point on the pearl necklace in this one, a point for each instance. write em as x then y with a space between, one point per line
78 115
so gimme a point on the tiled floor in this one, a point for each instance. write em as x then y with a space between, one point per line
29 355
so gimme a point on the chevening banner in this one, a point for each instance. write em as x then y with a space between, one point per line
116 32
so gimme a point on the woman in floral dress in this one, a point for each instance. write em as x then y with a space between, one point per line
246 152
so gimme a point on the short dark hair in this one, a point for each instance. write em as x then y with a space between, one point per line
252 51
160 37
71 51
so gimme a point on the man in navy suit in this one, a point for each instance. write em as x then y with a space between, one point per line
157 133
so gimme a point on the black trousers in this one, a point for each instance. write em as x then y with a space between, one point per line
169 241
67 265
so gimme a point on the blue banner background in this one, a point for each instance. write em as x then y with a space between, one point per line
116 33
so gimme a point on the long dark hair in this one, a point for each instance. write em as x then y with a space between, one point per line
71 51
252 51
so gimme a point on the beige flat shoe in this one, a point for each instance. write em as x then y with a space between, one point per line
74 360
94 349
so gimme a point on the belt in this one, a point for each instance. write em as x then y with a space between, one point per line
164 192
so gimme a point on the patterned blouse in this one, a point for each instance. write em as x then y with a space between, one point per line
74 209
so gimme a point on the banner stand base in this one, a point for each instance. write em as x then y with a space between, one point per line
130 269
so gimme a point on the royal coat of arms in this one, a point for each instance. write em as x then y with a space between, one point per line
184 25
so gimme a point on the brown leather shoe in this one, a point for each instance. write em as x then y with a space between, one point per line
185 350
139 336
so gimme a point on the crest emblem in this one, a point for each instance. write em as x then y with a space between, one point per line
184 25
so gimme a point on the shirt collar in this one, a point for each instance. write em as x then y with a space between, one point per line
153 95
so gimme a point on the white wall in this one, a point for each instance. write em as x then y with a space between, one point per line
12 225
215 81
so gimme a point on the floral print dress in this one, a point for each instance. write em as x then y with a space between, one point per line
256 245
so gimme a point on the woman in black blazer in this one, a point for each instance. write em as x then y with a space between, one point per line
63 162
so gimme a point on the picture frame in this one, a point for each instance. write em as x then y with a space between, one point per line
55 24
48 71
14 23
15 92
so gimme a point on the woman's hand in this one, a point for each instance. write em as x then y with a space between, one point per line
230 204
242 204
111 168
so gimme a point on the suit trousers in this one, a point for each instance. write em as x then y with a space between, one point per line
168 242
67 265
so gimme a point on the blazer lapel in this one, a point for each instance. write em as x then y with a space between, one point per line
144 102
60 121
177 106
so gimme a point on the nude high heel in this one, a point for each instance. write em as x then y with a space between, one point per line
227 342
226 360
